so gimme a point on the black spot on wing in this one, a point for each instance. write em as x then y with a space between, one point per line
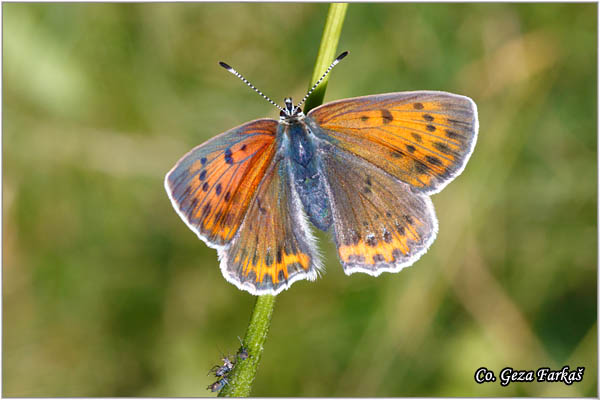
421 167
228 156
443 147
451 134
433 160
371 241
387 237
387 116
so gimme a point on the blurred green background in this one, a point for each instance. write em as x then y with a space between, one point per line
108 293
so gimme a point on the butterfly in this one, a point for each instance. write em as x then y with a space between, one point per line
362 168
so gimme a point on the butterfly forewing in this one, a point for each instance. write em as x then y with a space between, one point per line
379 223
274 246
422 138
211 186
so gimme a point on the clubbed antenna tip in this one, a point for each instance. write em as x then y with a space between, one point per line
341 56
226 66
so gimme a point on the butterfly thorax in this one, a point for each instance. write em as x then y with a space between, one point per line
302 148
308 180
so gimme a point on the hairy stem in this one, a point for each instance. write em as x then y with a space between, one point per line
244 372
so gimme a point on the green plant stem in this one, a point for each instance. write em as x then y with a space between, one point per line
327 52
243 374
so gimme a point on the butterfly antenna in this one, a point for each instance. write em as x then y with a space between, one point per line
233 71
333 64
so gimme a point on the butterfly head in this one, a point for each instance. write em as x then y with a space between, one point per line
290 111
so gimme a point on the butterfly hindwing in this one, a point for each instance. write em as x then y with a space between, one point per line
274 247
380 224
212 186
422 138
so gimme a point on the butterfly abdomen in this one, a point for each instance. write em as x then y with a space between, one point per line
308 180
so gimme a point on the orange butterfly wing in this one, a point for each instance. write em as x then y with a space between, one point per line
422 138
274 247
211 187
